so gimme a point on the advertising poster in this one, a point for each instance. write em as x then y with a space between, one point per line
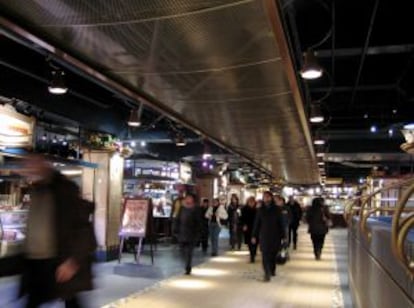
134 220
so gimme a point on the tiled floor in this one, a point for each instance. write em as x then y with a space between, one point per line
229 281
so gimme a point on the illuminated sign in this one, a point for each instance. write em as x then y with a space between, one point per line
16 130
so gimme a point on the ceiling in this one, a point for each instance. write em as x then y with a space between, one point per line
367 50
219 68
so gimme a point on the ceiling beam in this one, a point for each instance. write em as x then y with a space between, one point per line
378 87
375 50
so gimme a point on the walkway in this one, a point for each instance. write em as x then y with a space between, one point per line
229 281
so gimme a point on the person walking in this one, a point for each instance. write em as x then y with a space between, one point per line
248 216
60 242
187 229
296 217
318 218
215 215
268 232
235 227
280 202
204 225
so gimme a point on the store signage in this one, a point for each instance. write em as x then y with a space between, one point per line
135 217
16 130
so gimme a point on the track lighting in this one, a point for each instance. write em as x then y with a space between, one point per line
316 115
311 69
57 84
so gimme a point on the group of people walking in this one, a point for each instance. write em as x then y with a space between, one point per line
271 224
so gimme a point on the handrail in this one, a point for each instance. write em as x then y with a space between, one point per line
400 228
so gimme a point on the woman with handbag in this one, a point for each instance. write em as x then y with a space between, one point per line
215 214
318 218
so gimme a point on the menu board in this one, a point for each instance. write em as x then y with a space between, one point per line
135 217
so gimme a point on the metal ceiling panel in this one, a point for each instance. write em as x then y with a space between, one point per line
216 63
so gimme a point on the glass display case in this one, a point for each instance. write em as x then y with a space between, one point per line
12 231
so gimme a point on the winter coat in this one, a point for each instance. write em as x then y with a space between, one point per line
318 218
248 216
268 227
188 224
234 212
73 238
221 214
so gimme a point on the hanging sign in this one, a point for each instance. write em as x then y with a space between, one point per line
16 129
135 217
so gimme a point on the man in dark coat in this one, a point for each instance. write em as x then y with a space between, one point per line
59 245
187 229
268 230
247 219
296 217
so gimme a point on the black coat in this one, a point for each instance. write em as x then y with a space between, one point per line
73 238
318 218
248 216
268 227
188 225
296 213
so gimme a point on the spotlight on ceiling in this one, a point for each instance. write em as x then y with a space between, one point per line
321 163
316 115
180 141
320 154
319 141
373 129
311 69
134 119
57 84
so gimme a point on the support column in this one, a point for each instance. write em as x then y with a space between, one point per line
205 188
104 186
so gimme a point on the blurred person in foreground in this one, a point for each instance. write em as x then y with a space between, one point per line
318 218
187 229
268 232
296 217
59 244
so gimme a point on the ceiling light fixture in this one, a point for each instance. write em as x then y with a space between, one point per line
319 141
180 141
57 84
373 129
134 118
320 154
311 69
316 115
321 163
143 143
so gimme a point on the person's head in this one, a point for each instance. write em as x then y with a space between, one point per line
36 167
216 202
189 201
291 199
279 200
318 202
251 202
234 199
205 203
267 197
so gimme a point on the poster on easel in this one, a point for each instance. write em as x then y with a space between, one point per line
136 223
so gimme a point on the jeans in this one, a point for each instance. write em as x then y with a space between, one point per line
187 249
214 237
318 240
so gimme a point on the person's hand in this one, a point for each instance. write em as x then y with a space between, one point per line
66 270
244 228
254 241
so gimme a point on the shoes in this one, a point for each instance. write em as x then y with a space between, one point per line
252 260
266 278
294 247
214 254
188 271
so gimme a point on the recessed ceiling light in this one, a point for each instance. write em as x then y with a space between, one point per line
311 69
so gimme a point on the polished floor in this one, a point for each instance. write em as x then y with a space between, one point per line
229 281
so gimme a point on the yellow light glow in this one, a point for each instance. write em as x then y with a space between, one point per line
210 272
190 284
225 259
240 253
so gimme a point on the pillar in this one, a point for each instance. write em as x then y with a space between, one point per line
104 185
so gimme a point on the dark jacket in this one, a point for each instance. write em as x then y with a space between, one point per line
318 217
73 238
188 224
233 211
296 213
204 223
248 216
268 227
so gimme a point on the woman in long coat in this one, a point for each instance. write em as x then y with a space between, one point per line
248 215
318 218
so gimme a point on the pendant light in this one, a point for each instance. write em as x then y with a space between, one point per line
316 115
134 119
311 69
57 84
206 153
180 141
